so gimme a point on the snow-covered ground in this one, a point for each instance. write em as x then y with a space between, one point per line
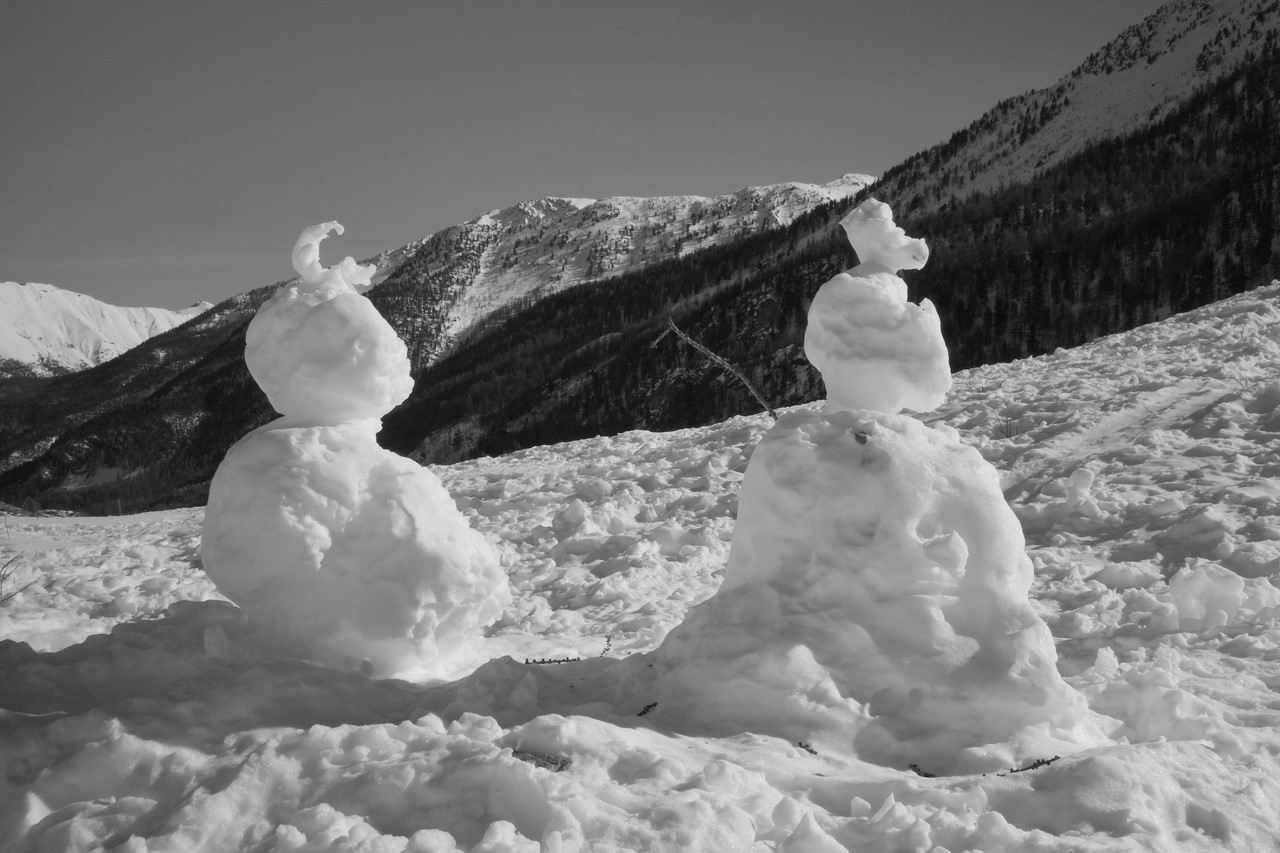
140 712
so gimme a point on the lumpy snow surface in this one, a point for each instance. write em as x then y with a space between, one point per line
142 713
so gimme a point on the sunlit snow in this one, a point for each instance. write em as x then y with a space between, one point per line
130 725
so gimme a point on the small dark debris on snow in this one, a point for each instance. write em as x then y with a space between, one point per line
647 708
1036 765
807 748
926 774
554 763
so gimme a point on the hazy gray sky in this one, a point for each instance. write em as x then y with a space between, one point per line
163 152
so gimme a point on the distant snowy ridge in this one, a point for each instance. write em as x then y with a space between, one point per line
457 277
48 330
1132 81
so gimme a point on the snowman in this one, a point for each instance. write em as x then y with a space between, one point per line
876 594
337 549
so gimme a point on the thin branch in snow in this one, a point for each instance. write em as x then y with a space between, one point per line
672 327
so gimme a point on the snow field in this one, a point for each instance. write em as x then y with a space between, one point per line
119 725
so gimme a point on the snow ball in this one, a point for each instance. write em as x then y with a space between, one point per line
503 837
1079 487
319 349
1203 589
346 551
875 349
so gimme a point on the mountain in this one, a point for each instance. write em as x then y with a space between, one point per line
1134 226
1136 79
45 330
153 424
1155 199
438 289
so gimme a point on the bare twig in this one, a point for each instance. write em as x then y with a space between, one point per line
7 572
1008 428
720 361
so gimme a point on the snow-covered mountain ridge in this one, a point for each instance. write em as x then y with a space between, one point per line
47 330
455 278
1130 82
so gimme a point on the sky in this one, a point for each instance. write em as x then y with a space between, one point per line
162 153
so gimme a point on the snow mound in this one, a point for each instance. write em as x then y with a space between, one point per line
876 566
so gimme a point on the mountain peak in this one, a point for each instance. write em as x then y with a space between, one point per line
472 271
1126 84
47 330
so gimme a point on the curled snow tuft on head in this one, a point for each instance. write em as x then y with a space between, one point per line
875 349
319 350
306 260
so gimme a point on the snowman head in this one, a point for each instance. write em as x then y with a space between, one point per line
877 240
319 349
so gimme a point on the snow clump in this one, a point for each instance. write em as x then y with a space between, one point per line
338 548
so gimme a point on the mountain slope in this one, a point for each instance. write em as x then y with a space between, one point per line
1130 229
439 288
149 428
1137 78
140 412
45 330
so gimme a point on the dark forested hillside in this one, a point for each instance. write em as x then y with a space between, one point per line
143 430
1130 230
